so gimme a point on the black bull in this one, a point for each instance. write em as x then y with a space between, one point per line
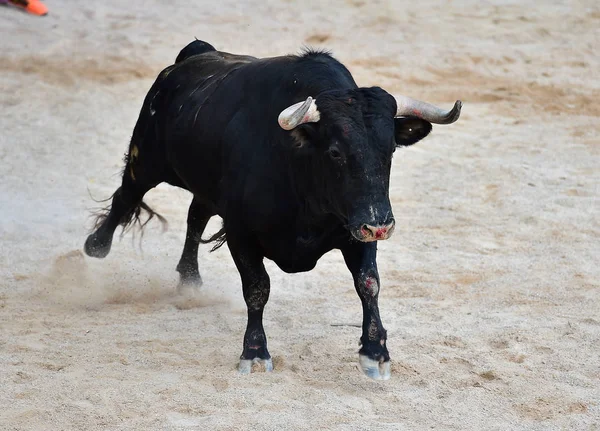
290 192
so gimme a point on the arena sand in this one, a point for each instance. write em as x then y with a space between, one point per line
490 285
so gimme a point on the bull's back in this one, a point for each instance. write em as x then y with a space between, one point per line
213 115
178 131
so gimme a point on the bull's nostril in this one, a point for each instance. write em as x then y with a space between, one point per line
366 232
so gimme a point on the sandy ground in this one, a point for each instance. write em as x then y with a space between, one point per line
490 286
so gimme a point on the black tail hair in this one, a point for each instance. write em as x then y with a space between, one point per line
196 47
220 237
129 221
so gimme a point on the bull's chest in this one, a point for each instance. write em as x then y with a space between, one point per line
300 250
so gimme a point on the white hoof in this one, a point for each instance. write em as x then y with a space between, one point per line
248 365
374 369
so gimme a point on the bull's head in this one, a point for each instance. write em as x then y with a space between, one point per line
349 136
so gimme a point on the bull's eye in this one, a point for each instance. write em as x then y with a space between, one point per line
335 154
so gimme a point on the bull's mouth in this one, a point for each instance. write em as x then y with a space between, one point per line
370 233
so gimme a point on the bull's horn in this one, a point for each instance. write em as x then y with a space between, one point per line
299 113
408 107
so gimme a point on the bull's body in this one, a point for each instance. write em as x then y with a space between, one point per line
215 122
209 125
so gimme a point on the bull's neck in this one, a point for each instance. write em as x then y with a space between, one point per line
316 200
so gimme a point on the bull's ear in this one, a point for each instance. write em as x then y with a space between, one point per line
409 131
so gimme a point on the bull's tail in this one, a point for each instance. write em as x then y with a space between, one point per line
196 47
219 238
134 220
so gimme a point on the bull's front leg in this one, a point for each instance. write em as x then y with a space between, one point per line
374 358
256 287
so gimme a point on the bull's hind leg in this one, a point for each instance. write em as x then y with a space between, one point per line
198 216
145 168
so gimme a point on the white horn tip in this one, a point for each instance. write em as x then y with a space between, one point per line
284 122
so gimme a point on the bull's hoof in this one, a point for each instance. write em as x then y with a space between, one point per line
255 365
96 246
193 280
189 287
189 278
374 369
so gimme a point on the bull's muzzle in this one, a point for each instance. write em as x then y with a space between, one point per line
368 233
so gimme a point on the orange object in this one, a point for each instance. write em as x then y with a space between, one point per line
35 7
